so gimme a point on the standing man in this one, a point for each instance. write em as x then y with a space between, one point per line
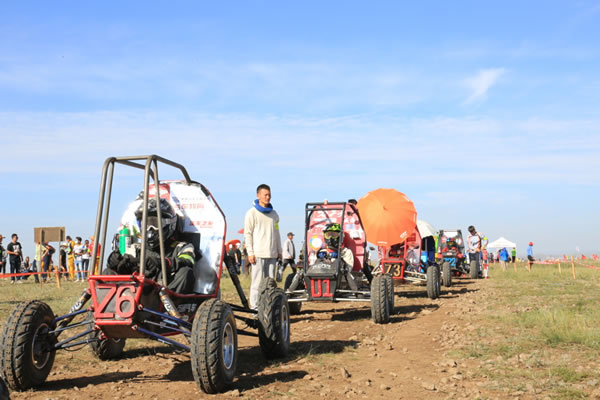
503 258
475 245
530 258
37 258
78 250
514 254
261 234
70 257
15 252
2 257
85 259
486 266
289 255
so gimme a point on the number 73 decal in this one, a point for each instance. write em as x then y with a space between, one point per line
393 269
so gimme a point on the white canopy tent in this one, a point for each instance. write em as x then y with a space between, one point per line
426 229
500 243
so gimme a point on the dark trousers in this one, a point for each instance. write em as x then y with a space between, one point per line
46 266
36 268
286 262
14 268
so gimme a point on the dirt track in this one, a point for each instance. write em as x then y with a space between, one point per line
336 352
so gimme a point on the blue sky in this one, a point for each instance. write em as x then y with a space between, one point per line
482 113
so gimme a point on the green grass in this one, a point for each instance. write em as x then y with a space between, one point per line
540 326
553 308
567 374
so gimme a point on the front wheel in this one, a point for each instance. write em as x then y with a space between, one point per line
27 352
273 320
433 282
380 300
214 350
447 274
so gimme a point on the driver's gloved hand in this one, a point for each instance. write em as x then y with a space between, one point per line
113 260
152 264
127 265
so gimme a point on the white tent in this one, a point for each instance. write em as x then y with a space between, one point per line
500 243
426 229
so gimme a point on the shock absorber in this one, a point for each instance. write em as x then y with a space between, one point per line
77 306
168 303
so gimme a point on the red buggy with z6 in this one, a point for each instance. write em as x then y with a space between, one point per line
114 308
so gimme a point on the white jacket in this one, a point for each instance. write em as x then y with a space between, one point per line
289 251
261 233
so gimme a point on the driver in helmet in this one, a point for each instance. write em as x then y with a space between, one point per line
333 234
179 255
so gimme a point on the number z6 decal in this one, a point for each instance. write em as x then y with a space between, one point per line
124 295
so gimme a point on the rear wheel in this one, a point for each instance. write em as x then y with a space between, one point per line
433 282
473 270
107 348
27 352
214 346
447 274
295 306
273 320
380 300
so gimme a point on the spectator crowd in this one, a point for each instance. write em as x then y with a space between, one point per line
73 259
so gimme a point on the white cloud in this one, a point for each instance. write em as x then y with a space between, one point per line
365 145
480 83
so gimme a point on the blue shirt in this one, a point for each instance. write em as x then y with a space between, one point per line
504 254
530 251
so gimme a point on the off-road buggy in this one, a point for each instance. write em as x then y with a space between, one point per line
133 306
411 262
327 278
451 254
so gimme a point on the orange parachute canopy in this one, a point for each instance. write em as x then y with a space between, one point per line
233 243
388 216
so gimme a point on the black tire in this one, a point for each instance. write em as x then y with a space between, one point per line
447 274
107 349
438 286
389 287
473 270
433 282
380 300
214 351
295 306
273 320
27 352
4 393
